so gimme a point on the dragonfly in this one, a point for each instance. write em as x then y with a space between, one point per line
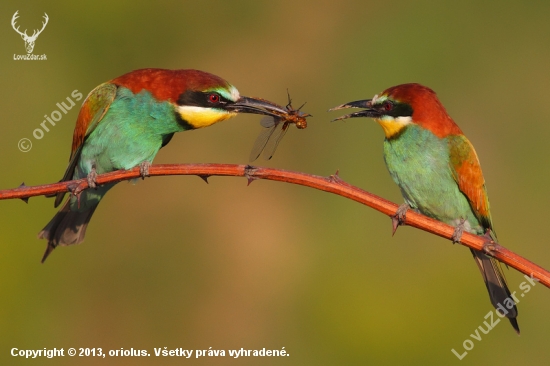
275 127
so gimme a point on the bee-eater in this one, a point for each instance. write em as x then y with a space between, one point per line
438 172
123 123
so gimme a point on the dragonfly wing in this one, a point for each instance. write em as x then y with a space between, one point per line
269 121
274 140
260 142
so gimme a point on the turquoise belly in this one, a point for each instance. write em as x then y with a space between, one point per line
418 162
131 132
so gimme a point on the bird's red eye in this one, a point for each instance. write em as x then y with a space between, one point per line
214 98
388 106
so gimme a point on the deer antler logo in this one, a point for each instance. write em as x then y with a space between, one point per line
29 41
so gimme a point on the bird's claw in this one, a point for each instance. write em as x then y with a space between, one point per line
459 230
91 178
74 189
399 217
490 247
144 169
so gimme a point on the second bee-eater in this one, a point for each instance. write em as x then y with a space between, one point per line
438 172
123 123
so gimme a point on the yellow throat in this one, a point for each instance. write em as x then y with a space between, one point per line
199 117
392 126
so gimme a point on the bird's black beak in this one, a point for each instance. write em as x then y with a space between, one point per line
256 106
369 112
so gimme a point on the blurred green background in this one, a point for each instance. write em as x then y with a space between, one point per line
173 262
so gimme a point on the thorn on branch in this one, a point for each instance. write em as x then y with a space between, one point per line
24 199
204 177
394 225
249 172
335 178
399 217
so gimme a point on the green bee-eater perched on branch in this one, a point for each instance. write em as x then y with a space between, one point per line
124 122
438 172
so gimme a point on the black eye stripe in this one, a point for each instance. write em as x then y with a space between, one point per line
397 110
200 99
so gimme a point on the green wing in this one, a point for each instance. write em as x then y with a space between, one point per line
93 109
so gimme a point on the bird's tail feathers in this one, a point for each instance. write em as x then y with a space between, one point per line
66 228
499 293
